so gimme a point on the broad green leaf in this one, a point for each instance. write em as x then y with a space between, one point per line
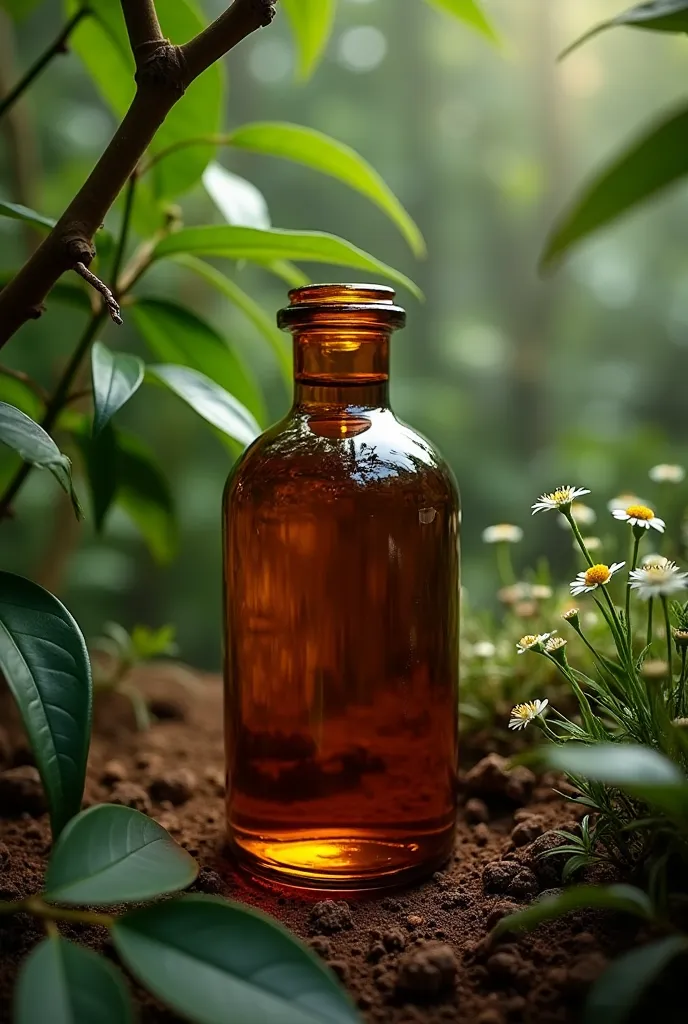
217 406
99 456
144 493
288 272
238 200
311 23
616 994
31 441
44 660
17 212
176 334
624 898
215 961
102 44
112 854
19 9
322 153
656 16
63 983
248 306
468 11
18 394
652 163
116 377
265 247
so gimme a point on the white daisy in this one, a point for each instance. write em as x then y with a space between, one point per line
531 642
555 644
594 577
503 533
522 714
560 499
582 514
623 501
484 649
655 559
541 592
658 580
515 592
640 515
666 474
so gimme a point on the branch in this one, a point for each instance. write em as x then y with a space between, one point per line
111 302
163 73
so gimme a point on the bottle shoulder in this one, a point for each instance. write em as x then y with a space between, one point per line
364 450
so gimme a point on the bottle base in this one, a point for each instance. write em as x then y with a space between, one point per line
328 860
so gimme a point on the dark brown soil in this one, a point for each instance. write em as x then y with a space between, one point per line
419 955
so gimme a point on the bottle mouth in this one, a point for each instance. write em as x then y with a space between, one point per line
353 306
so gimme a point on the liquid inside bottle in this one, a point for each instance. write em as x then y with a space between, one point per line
341 584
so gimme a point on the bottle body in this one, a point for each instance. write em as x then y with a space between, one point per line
341 622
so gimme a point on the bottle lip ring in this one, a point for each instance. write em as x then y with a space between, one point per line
368 316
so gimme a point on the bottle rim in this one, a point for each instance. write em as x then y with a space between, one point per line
352 306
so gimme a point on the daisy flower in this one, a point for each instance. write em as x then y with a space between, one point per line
581 514
594 577
522 714
484 649
681 638
641 516
503 533
660 580
666 474
555 644
623 501
541 592
561 499
655 559
532 643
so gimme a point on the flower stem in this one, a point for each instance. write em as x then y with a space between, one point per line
670 646
650 623
577 534
634 562
505 566
36 906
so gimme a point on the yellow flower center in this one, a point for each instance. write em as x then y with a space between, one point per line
524 711
528 641
562 497
596 575
640 512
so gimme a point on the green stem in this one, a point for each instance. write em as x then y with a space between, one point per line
634 562
682 682
55 48
505 566
578 535
669 641
13 907
650 623
124 232
36 906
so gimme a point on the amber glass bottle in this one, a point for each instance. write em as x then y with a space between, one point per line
341 619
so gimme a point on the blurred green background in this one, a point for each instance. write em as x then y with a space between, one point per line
523 382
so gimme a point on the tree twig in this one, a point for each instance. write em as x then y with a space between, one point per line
56 47
163 73
109 299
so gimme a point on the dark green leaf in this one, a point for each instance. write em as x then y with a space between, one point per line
62 983
314 149
176 334
116 377
238 200
657 16
30 440
18 394
17 212
102 44
210 401
249 307
212 960
652 163
144 494
99 455
267 246
44 660
111 854
311 23
624 898
468 11
617 992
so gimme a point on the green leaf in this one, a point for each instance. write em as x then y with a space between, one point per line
470 12
144 493
111 854
44 660
618 991
19 9
238 200
288 272
624 898
99 456
322 153
63 983
248 306
268 246
116 377
210 401
311 23
656 16
30 440
17 212
18 394
102 44
651 164
203 956
176 334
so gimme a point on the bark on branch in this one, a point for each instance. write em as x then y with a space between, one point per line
163 73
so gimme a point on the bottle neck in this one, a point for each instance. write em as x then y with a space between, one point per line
341 369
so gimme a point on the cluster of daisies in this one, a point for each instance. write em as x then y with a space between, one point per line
655 577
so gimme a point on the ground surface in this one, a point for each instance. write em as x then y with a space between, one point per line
417 956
